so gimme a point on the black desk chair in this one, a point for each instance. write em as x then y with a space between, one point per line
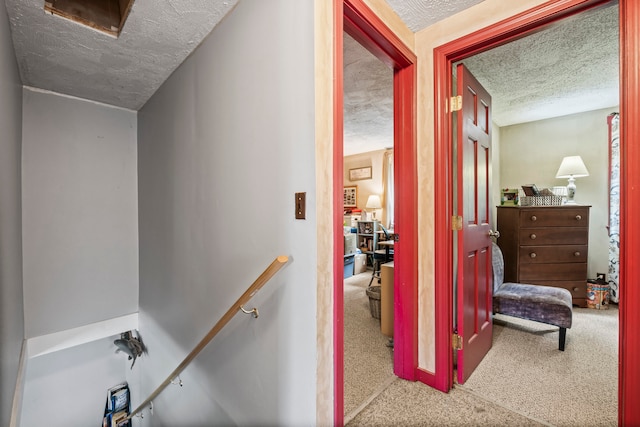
380 256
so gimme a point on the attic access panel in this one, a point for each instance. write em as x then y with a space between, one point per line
107 16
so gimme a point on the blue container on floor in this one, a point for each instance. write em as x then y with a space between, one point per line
349 262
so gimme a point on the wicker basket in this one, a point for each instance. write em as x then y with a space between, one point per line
373 292
541 201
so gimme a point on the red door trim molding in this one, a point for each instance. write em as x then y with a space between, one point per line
359 21
497 34
629 341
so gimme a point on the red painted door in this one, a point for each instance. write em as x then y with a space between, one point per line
474 279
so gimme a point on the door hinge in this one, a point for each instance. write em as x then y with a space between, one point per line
456 342
456 103
456 222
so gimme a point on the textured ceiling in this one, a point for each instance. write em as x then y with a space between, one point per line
368 100
368 83
568 68
419 14
59 55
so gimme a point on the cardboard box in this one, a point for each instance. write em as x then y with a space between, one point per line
360 264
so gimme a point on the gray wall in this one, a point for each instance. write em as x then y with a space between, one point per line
11 313
79 211
223 146
532 153
69 387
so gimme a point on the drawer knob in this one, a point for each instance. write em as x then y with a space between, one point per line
576 289
533 255
576 253
534 218
578 217
533 237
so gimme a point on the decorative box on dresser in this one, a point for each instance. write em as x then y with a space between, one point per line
546 245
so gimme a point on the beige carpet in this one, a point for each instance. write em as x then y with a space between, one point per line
406 403
368 362
524 370
523 380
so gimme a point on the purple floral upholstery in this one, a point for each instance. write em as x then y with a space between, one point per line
543 304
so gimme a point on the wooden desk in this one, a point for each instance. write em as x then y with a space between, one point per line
386 299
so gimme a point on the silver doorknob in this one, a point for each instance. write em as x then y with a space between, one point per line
495 234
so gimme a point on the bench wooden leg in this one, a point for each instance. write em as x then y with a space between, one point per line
563 336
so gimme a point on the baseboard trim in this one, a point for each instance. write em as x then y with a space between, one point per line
18 392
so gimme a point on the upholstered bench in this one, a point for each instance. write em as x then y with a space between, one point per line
543 304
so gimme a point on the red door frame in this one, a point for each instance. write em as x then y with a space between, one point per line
629 342
359 21
500 33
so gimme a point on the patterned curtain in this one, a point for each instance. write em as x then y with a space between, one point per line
613 121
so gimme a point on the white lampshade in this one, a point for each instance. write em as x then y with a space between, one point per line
572 166
373 202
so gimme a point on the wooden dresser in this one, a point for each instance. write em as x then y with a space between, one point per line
546 245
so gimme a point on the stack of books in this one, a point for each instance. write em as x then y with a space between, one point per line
117 407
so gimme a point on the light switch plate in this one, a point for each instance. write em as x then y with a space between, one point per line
301 205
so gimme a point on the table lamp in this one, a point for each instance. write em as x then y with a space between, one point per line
572 167
373 202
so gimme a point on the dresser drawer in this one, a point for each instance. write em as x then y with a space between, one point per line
552 254
553 236
533 273
558 217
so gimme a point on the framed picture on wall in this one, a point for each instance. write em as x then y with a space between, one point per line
350 196
360 173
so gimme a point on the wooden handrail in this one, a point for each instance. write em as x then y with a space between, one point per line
273 268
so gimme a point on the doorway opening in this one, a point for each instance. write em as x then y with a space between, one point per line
368 176
355 18
497 34
540 86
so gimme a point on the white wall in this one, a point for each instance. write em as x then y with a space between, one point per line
532 153
79 212
69 387
11 311
223 146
